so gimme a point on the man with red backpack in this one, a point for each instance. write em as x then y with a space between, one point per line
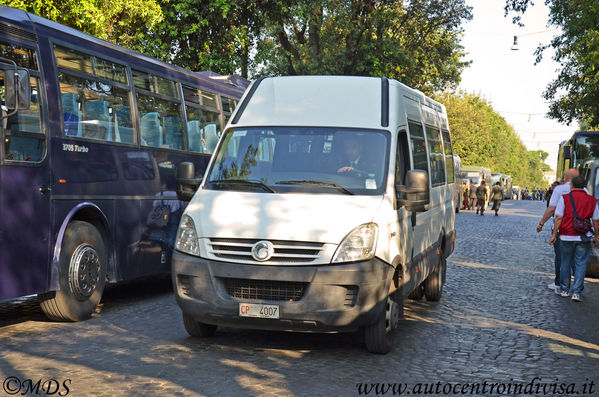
573 215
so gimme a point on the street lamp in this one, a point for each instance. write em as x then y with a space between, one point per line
515 45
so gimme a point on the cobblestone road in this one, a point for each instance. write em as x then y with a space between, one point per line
497 322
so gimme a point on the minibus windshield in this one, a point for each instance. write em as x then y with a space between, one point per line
301 159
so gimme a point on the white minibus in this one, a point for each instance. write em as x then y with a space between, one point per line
327 201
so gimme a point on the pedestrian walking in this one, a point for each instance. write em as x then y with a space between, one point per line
482 195
466 194
558 192
573 215
472 196
496 196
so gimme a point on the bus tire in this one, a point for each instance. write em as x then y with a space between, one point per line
378 337
196 328
433 285
82 275
417 293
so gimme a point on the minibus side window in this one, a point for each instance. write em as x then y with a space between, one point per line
451 172
418 146
436 156
402 159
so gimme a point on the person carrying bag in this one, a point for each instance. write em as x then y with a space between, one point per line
573 215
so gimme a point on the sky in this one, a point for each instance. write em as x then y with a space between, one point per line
509 79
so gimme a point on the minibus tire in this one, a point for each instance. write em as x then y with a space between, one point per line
82 246
417 293
378 337
196 328
433 285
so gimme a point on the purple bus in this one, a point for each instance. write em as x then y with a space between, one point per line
92 136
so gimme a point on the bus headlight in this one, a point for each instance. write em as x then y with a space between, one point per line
187 237
358 245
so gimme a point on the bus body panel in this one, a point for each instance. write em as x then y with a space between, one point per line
79 177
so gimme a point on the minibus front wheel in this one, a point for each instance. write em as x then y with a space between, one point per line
378 337
82 274
196 328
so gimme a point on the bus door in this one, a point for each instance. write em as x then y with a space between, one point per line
24 185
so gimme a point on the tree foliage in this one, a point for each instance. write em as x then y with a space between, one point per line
574 94
215 35
416 42
483 137
123 22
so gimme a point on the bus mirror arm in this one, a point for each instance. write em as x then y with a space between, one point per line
187 183
17 89
415 195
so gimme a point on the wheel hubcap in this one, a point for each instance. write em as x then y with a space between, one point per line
84 271
391 315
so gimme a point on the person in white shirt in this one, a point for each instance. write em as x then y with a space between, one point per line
575 247
558 192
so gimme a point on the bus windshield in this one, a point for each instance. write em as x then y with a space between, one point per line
301 159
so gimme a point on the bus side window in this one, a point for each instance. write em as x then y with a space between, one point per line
24 138
203 129
159 110
94 97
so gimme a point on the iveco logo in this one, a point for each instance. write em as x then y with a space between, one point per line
262 251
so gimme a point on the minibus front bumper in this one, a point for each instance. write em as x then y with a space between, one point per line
324 298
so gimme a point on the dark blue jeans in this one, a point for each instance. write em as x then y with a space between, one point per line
575 256
558 260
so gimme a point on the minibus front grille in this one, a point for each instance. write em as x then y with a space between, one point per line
289 291
240 250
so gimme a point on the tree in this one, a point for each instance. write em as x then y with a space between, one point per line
122 22
213 35
482 137
574 94
416 42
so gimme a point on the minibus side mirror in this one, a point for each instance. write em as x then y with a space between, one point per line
17 89
567 154
187 183
415 194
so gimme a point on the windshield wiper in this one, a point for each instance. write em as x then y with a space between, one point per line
317 183
244 182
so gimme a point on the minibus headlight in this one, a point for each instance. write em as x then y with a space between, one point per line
187 237
358 245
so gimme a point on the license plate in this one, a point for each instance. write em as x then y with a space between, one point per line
258 310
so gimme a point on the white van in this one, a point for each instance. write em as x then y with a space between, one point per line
327 200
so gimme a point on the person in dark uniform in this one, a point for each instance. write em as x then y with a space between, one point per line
482 195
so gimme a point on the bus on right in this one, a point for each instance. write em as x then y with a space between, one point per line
581 151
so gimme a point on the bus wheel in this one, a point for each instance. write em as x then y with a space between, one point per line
196 328
379 336
433 285
82 275
417 294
